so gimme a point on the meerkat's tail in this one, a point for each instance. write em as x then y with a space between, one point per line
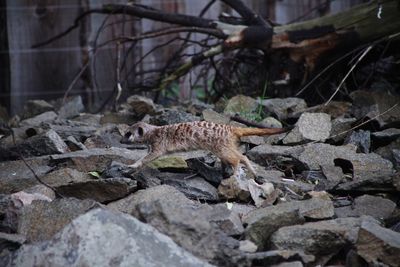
259 131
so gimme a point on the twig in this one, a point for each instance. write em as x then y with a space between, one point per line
29 167
348 73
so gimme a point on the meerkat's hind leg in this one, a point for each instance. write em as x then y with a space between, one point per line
247 162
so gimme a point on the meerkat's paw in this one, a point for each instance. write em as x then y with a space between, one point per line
135 165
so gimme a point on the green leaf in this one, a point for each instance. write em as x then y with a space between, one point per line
95 174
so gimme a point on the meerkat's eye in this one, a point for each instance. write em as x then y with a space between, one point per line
128 134
140 131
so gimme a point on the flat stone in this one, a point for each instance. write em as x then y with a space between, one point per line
41 220
36 107
104 238
310 126
71 108
361 139
168 162
378 244
98 159
377 207
141 105
284 108
240 104
48 116
340 128
190 224
16 176
323 239
172 116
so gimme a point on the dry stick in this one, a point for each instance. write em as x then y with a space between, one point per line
365 122
119 87
348 73
29 167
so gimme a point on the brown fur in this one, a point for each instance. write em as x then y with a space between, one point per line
220 139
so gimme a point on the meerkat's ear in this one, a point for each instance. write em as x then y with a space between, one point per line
140 131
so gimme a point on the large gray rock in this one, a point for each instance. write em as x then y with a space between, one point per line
98 159
314 155
48 116
361 139
240 104
104 238
141 105
377 207
72 183
340 128
36 107
378 244
16 176
190 224
71 108
310 126
171 116
324 238
284 108
42 219
261 223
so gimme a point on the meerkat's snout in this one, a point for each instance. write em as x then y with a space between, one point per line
126 139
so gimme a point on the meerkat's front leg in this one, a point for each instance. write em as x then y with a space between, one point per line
149 157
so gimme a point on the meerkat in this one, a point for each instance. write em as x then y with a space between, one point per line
222 140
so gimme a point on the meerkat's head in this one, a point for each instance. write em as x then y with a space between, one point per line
137 133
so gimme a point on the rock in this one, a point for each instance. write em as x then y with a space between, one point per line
48 143
169 162
289 264
370 104
253 139
386 151
262 194
240 104
340 128
196 107
74 145
271 122
211 174
41 220
141 105
268 258
41 191
314 155
377 207
323 239
48 116
27 198
361 139
119 118
386 135
396 158
71 108
78 131
227 220
247 246
284 108
384 183
262 222
172 116
16 176
104 238
9 213
8 244
186 222
378 245
72 183
89 118
310 126
36 107
195 188
97 159
235 187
